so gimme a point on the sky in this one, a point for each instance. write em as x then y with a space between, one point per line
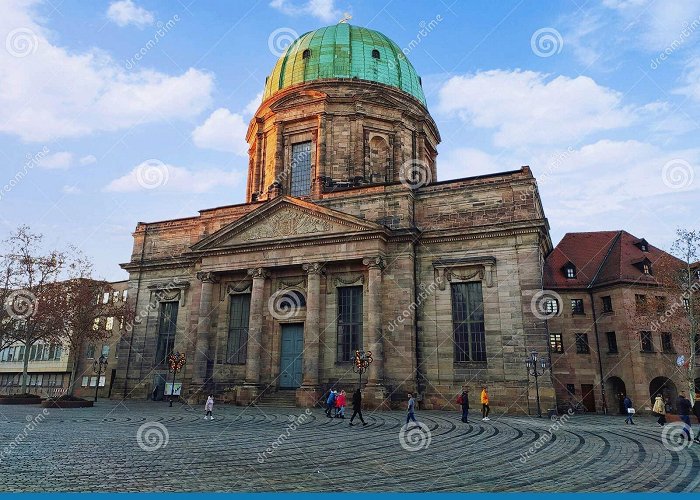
123 111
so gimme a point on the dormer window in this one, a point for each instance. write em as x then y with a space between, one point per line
570 271
642 244
375 54
644 265
306 54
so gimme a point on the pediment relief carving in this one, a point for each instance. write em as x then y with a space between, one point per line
283 224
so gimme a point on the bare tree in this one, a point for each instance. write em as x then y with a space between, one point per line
30 276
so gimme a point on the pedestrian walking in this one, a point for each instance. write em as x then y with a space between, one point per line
684 409
340 405
411 410
330 403
659 410
485 409
463 401
696 412
209 408
357 407
629 410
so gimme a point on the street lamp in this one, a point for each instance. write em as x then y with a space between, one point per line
362 362
532 365
99 366
176 360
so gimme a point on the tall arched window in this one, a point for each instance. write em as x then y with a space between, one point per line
378 157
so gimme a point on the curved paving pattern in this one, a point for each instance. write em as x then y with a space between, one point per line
97 449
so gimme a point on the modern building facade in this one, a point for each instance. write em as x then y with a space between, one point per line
347 241
606 340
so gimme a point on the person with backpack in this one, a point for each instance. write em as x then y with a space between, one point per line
627 403
357 407
463 401
659 410
330 403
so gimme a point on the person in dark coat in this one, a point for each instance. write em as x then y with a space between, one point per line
330 403
684 409
696 412
627 403
357 407
463 400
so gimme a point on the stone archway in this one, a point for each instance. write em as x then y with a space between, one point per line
665 387
616 394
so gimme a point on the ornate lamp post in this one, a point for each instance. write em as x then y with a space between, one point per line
532 365
99 366
362 362
176 360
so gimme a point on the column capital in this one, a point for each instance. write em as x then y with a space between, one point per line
207 277
374 262
313 267
258 272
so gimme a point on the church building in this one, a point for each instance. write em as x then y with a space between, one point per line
347 241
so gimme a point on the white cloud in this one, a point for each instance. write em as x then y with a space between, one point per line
222 131
49 92
253 105
691 81
324 10
125 12
71 190
60 160
87 160
527 107
160 177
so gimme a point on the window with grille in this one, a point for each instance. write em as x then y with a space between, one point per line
555 342
167 322
239 316
551 307
349 322
646 341
301 169
612 342
582 346
468 322
570 272
576 306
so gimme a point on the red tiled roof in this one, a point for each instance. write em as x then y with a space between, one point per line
600 258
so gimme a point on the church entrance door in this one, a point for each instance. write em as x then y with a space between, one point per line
291 355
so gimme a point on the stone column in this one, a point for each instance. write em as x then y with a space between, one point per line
312 327
252 366
374 342
203 350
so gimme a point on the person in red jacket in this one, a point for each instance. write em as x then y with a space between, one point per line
340 405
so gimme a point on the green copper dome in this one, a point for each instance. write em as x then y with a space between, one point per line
344 51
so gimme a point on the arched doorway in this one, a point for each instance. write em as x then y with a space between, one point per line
616 394
665 387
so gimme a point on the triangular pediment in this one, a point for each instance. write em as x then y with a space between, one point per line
284 219
297 99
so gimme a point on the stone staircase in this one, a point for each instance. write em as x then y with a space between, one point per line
279 399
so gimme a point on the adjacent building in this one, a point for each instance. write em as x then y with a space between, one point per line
605 337
347 242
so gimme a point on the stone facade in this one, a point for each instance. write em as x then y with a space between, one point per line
374 217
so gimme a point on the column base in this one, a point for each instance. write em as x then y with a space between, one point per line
247 394
375 396
308 396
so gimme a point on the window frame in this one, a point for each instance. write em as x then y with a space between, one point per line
667 343
350 322
646 341
582 345
300 172
165 338
237 335
611 338
470 342
577 310
607 304
556 344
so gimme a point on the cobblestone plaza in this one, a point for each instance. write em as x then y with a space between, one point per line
140 446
